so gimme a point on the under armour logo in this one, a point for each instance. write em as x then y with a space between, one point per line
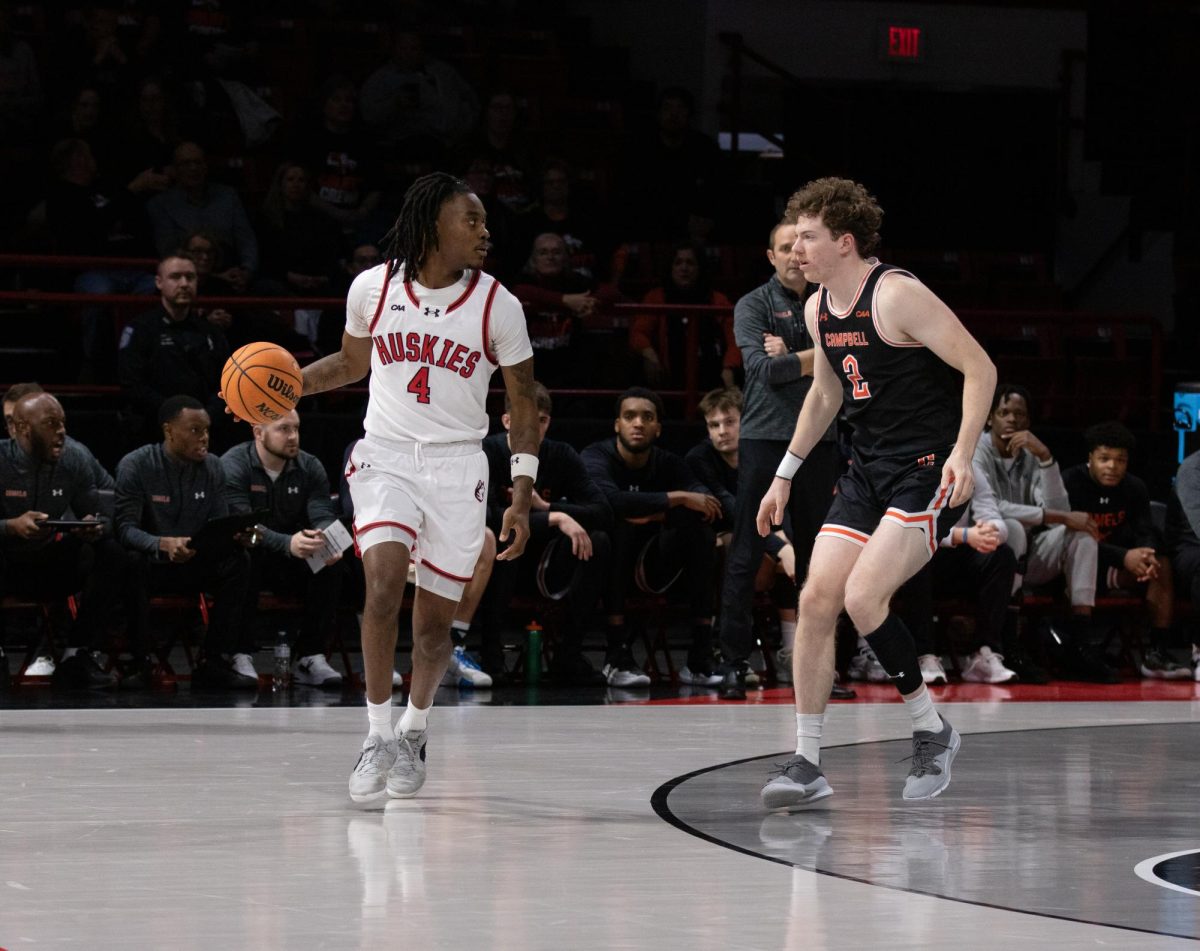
433 312
398 307
1104 500
198 495
293 490
56 491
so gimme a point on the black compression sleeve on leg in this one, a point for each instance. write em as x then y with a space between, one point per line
894 647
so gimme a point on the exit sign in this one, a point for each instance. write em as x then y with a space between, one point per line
900 43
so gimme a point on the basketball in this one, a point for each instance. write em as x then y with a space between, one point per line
261 382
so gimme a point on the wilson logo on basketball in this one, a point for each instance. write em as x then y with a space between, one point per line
283 388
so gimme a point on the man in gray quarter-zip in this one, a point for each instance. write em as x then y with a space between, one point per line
271 471
47 476
166 492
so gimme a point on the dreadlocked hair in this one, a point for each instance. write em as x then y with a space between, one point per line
414 235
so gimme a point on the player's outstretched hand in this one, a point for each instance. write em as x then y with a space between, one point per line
774 504
957 473
514 526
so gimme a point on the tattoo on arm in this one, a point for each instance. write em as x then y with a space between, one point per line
518 380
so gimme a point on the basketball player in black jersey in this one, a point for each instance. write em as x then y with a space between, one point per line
889 353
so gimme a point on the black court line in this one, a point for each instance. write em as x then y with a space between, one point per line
659 803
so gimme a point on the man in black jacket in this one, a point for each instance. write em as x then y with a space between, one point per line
272 472
1183 521
46 476
172 349
567 523
166 492
662 533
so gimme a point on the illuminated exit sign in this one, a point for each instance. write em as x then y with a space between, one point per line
902 44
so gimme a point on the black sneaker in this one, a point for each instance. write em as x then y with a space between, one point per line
83 671
838 692
1027 671
1088 666
5 675
733 680
218 674
573 670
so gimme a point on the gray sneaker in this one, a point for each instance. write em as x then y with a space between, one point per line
799 785
931 758
368 782
407 774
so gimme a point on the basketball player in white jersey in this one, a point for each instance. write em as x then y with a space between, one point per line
431 328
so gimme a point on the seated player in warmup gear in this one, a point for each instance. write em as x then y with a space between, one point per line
1183 540
48 476
431 329
166 492
662 534
1049 539
463 670
1132 555
568 554
886 351
972 563
271 471
715 462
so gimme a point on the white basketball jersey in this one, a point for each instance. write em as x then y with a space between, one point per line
434 352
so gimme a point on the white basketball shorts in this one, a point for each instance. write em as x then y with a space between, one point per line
430 497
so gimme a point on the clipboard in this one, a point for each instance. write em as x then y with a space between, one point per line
218 533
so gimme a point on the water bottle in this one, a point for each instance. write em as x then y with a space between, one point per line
282 675
533 652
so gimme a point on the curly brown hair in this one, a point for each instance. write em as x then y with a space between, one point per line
844 206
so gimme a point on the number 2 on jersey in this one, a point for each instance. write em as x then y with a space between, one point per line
419 385
861 389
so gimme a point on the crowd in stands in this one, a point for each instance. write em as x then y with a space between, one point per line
155 134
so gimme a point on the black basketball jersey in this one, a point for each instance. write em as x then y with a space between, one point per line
899 398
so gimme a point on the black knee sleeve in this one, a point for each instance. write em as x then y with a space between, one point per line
894 647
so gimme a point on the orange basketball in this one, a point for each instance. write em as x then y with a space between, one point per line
261 382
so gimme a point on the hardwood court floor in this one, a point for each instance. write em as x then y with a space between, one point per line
597 827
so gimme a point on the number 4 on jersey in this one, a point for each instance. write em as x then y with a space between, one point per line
861 389
419 385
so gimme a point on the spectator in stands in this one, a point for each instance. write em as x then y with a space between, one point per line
559 213
662 534
1048 537
672 176
20 82
299 244
341 158
507 250
1183 539
171 349
193 203
88 217
417 102
46 476
166 492
99 56
567 555
84 118
149 135
360 256
497 140
556 299
660 339
777 352
973 562
1132 555
271 471
463 670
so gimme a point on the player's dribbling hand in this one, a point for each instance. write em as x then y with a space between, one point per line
957 473
515 526
773 506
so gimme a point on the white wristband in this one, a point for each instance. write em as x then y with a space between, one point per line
523 464
789 465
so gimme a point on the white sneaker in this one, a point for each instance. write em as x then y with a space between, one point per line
407 774
465 672
865 666
397 680
41 667
616 677
243 665
783 665
986 667
932 671
314 670
368 781
697 678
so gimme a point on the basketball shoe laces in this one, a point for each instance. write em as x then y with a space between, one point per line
923 756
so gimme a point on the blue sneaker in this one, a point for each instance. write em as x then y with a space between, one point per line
464 672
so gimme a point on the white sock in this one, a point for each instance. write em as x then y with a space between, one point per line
808 736
379 715
788 630
413 719
920 708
